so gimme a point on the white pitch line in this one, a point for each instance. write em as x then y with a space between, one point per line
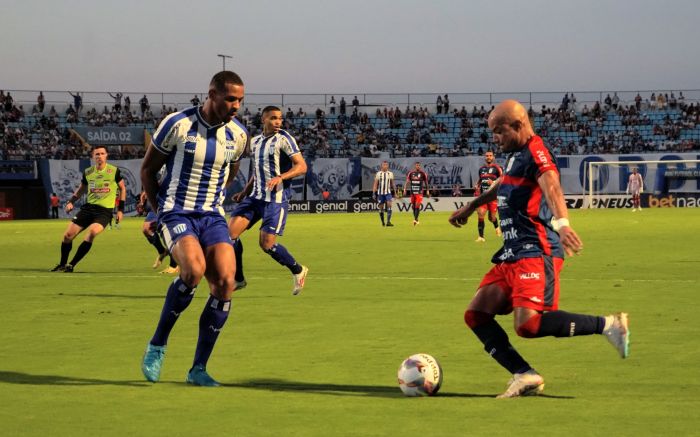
335 278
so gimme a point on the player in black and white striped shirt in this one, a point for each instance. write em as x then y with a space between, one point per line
382 191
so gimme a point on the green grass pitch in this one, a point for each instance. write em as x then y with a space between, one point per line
324 362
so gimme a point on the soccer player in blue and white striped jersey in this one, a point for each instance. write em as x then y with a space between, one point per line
276 160
200 148
382 190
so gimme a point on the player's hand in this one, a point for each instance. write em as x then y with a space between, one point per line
238 197
272 183
570 240
459 218
120 216
68 207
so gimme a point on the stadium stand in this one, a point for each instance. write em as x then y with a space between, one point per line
659 123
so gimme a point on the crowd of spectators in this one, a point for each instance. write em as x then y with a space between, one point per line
643 125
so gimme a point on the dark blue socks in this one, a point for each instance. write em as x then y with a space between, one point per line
280 254
176 301
211 322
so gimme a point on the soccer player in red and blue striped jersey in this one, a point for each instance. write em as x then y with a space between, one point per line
488 174
536 234
416 185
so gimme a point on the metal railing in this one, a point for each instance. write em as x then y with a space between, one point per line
310 102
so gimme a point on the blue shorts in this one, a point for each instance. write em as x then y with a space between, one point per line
151 217
273 215
209 228
384 198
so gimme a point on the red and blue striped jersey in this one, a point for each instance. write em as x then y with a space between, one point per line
488 174
417 182
525 217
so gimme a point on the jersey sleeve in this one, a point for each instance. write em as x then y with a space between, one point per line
164 137
289 146
239 134
376 176
242 151
542 158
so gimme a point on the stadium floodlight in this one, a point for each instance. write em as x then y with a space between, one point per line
610 177
223 60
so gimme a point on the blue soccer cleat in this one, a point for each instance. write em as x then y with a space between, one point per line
152 362
198 376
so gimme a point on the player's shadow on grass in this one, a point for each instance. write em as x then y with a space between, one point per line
28 379
336 389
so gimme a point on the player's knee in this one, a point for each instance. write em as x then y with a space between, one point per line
267 246
476 318
529 328
191 278
192 273
222 288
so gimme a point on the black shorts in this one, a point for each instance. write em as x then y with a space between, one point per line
90 214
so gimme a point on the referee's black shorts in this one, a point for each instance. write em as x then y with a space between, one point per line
90 214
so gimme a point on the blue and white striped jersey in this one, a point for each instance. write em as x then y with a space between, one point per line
271 157
385 182
199 160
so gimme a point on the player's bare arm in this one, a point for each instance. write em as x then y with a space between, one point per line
232 173
122 200
74 198
549 183
298 168
151 165
245 192
459 217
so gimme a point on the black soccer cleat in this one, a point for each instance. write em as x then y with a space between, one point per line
390 224
68 268
58 268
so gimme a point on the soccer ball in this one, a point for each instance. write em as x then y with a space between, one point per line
420 375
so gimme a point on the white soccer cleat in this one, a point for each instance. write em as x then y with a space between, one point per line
634 209
299 280
529 383
617 332
480 240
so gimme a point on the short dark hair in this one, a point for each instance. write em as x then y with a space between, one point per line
270 108
220 79
99 146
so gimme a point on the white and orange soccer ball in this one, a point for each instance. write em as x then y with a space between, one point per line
420 375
